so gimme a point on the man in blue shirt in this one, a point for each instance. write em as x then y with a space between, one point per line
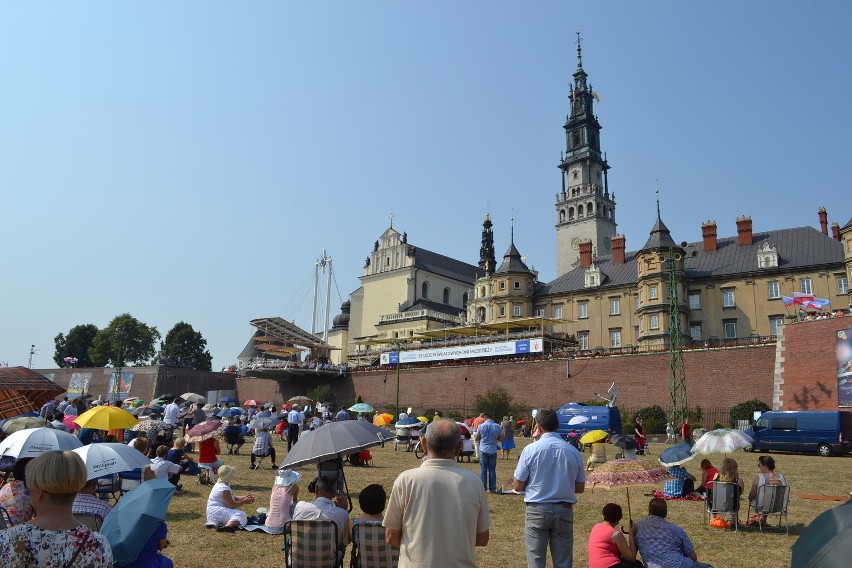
550 471
663 544
489 434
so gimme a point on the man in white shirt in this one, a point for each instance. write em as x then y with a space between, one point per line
161 467
294 423
171 416
328 505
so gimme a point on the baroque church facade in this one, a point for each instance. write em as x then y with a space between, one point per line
604 298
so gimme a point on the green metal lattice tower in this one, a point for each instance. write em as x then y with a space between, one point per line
677 377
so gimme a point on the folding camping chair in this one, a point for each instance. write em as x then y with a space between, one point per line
723 497
311 544
771 500
369 547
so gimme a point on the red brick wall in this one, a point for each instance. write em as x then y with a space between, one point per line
808 364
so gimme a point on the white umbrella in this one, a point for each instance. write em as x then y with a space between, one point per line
33 442
194 398
722 441
578 420
109 458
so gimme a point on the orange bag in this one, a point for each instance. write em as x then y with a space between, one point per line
718 523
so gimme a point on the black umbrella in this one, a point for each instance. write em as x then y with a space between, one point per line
622 441
335 439
267 423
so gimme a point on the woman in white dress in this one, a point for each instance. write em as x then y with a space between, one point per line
222 504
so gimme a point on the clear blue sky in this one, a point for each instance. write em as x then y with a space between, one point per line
190 160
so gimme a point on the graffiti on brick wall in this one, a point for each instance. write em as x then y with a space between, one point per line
844 367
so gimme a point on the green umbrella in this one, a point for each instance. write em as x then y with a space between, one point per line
827 541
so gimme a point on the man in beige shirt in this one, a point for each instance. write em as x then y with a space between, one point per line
438 512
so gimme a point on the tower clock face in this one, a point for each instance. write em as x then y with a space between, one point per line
575 243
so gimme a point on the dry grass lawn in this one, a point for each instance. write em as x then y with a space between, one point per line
194 546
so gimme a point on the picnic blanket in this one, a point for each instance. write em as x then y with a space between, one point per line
690 497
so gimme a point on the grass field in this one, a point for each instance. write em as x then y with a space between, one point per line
194 546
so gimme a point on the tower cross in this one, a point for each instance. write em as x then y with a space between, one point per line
391 219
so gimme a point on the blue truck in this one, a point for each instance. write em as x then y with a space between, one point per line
823 432
607 418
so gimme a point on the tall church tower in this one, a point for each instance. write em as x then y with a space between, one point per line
585 209
486 251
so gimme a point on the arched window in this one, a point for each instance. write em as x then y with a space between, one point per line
482 292
480 315
579 211
464 300
590 209
424 291
570 212
446 295
561 215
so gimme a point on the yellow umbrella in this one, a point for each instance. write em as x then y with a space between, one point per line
382 420
423 419
593 436
106 418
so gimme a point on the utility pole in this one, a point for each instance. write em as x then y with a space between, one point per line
677 377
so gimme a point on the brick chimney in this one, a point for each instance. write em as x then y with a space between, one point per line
744 230
823 220
835 231
585 254
708 231
618 243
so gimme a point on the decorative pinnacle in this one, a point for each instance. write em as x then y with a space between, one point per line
658 203
579 51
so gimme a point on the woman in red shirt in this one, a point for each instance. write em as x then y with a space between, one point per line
607 546
708 474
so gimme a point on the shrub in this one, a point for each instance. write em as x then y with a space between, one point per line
655 419
745 411
498 403
323 393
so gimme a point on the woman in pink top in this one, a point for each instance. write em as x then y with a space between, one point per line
607 546
284 494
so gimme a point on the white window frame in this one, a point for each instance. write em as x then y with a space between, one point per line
806 286
502 311
775 322
615 339
539 312
696 304
557 312
517 284
652 292
734 327
516 310
583 340
654 321
582 310
774 289
842 285
729 300
695 331
614 306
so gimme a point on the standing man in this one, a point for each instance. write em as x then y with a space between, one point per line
550 472
342 416
294 421
686 431
438 512
171 416
489 434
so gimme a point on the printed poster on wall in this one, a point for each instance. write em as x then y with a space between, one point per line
844 367
79 384
124 384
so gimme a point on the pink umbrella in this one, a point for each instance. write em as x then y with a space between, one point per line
69 423
465 429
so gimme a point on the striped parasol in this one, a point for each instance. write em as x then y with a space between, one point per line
23 390
627 473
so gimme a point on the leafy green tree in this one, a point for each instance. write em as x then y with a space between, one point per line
188 347
654 417
323 393
498 403
75 344
745 411
126 340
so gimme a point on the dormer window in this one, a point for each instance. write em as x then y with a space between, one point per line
767 256
592 277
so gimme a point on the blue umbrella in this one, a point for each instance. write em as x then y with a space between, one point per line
228 400
230 412
133 520
361 407
678 454
408 422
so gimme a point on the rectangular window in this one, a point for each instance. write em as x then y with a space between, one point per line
583 340
539 312
517 285
582 310
638 304
502 286
695 331
774 290
652 292
517 311
730 329
728 298
557 312
842 285
775 323
502 311
615 338
806 285
694 300
614 306
654 321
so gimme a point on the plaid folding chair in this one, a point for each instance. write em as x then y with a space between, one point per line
369 547
311 544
